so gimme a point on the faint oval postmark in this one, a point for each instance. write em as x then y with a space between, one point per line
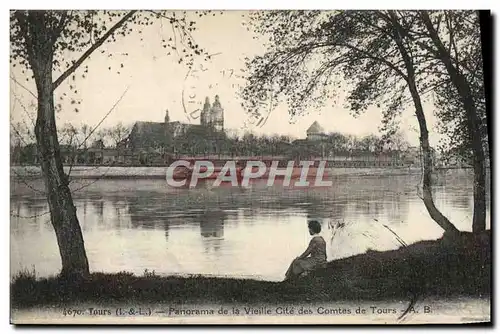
205 79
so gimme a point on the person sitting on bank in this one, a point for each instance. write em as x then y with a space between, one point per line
314 255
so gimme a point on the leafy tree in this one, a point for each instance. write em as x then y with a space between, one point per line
452 38
44 43
313 55
449 42
370 143
338 142
395 141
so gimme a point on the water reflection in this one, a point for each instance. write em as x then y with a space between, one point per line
212 230
212 224
137 225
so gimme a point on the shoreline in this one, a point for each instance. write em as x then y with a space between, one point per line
157 173
439 268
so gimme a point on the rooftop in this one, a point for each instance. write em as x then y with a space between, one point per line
315 128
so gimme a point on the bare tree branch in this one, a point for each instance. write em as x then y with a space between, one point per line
93 181
21 179
87 53
16 98
13 78
99 124
29 217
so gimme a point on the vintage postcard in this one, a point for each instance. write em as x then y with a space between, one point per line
250 167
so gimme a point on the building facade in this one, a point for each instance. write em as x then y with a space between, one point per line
157 139
316 132
212 115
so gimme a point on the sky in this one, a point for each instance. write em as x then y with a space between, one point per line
152 82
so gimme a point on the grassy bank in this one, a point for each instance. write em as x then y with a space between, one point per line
429 268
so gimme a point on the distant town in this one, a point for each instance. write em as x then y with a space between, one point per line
159 143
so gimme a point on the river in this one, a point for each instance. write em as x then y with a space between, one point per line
138 225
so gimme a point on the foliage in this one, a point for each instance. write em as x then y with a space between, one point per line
77 34
200 140
378 57
74 31
467 54
325 54
194 142
313 57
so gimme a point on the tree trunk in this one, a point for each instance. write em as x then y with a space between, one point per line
474 126
435 214
62 210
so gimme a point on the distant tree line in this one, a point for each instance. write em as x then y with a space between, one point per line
203 141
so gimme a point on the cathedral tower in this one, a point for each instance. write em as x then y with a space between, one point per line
217 115
205 113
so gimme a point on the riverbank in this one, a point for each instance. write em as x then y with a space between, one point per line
427 268
115 172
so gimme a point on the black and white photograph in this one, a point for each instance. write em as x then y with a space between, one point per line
265 166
